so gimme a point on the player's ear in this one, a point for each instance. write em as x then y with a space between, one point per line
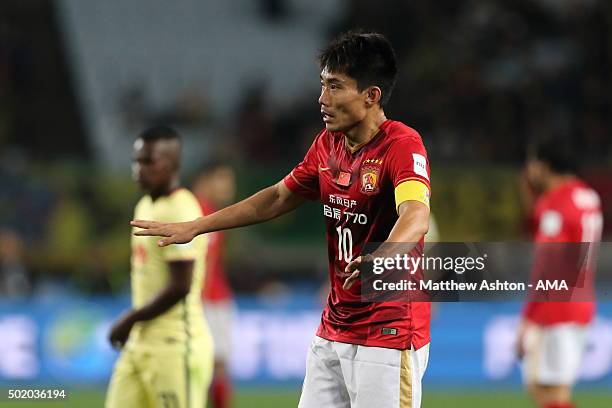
373 95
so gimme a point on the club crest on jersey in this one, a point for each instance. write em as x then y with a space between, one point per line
370 174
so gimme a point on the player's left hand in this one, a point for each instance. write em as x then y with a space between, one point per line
120 331
351 269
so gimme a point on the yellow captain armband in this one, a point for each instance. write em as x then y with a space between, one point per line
411 190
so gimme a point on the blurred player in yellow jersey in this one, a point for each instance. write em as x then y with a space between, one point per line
167 352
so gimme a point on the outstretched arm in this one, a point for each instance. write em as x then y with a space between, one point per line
264 205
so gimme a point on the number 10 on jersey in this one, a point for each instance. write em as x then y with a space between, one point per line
345 244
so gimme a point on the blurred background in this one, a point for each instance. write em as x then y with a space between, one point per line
80 80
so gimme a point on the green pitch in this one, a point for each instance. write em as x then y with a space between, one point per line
281 398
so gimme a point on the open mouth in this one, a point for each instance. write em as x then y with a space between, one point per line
326 116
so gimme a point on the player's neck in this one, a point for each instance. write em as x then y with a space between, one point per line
166 190
558 180
364 131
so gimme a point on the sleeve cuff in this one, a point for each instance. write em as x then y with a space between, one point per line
296 187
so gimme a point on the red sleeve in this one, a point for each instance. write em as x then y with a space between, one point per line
304 178
573 225
529 311
407 160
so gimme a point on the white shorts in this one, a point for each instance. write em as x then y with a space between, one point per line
340 375
553 353
220 316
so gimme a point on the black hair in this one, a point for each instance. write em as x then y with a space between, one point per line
556 154
161 132
366 57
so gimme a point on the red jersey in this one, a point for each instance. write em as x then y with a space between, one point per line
570 212
215 288
358 192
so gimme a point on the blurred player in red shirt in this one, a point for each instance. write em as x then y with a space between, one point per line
552 335
215 187
371 176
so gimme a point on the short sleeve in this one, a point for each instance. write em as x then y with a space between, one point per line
304 178
409 170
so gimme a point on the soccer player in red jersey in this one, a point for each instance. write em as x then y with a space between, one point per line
371 175
552 335
215 187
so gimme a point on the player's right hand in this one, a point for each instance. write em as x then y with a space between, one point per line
174 232
353 272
